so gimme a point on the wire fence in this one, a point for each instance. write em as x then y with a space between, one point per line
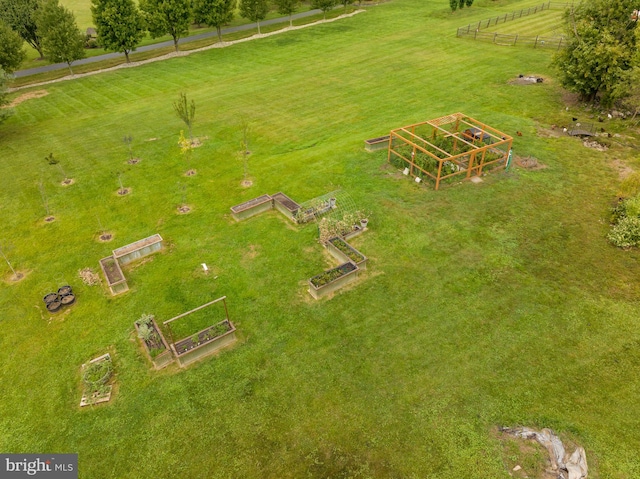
475 29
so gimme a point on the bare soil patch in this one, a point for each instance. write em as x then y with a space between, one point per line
246 183
595 145
134 161
16 278
123 191
28 96
49 219
184 209
190 173
105 237
529 163
623 169
68 182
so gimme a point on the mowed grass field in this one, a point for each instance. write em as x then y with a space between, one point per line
483 305
546 23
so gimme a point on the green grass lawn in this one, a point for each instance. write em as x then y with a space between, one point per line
483 305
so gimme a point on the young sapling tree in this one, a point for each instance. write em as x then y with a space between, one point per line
186 111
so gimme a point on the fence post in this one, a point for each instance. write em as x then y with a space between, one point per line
536 43
468 28
475 34
505 17
560 43
515 40
494 37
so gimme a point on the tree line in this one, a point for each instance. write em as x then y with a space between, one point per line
51 29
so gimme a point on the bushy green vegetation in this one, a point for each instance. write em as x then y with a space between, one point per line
482 305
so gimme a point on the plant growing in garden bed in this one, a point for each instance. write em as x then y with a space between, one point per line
148 332
351 253
203 337
332 274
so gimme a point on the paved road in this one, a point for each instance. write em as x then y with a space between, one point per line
107 56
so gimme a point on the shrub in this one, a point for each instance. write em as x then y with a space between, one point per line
626 232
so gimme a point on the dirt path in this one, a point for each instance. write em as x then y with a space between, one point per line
181 53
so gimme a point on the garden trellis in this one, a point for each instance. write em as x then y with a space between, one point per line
450 147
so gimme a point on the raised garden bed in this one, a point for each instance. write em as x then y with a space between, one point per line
380 143
356 231
153 342
285 205
204 343
252 207
113 273
138 249
344 252
332 280
96 376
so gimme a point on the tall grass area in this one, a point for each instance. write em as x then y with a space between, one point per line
483 305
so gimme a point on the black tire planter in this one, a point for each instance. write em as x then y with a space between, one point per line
54 306
67 299
50 298
64 290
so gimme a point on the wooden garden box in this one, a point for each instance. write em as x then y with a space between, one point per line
286 205
375 144
138 249
115 277
348 272
205 347
252 207
344 252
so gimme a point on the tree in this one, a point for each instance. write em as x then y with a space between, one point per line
11 53
214 13
167 17
287 7
254 10
600 48
4 112
62 40
119 25
20 16
453 4
345 3
186 112
324 5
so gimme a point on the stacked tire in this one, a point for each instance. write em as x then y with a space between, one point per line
55 301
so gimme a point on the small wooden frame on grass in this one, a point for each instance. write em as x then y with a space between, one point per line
97 389
375 144
204 342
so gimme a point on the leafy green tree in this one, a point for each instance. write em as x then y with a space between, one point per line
453 4
167 17
119 25
287 7
254 10
20 16
324 5
600 48
469 2
214 13
11 53
345 3
62 40
4 112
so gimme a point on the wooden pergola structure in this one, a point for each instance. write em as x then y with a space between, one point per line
451 146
